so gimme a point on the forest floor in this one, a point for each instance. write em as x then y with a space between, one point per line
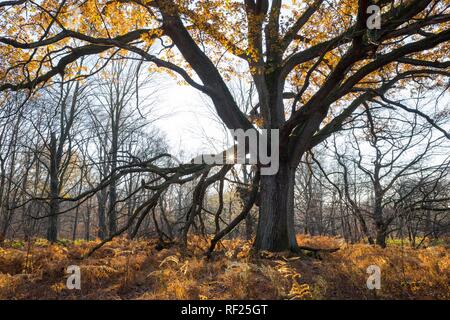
124 269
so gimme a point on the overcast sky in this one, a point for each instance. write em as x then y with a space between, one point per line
187 120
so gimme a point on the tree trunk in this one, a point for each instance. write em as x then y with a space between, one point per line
75 224
381 237
52 229
248 219
101 215
275 230
380 226
249 226
112 194
364 228
3 200
87 228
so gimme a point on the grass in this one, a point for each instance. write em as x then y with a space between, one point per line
126 269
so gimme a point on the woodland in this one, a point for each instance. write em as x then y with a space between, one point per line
358 91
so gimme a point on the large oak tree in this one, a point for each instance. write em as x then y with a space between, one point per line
313 63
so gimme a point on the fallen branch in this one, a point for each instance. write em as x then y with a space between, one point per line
317 250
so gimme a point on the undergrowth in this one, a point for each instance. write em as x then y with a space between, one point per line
124 269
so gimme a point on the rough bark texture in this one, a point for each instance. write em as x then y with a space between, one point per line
276 216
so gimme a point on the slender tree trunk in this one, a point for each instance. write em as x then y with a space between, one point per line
249 226
101 216
380 225
428 225
112 211
112 221
52 229
87 226
248 219
275 231
364 229
3 211
75 224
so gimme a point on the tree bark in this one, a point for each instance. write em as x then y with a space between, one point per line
101 210
52 229
87 226
112 194
380 226
275 230
381 237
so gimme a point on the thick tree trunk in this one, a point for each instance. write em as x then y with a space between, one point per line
101 211
381 228
52 231
381 237
275 231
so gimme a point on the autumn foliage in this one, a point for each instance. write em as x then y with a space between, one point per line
126 269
